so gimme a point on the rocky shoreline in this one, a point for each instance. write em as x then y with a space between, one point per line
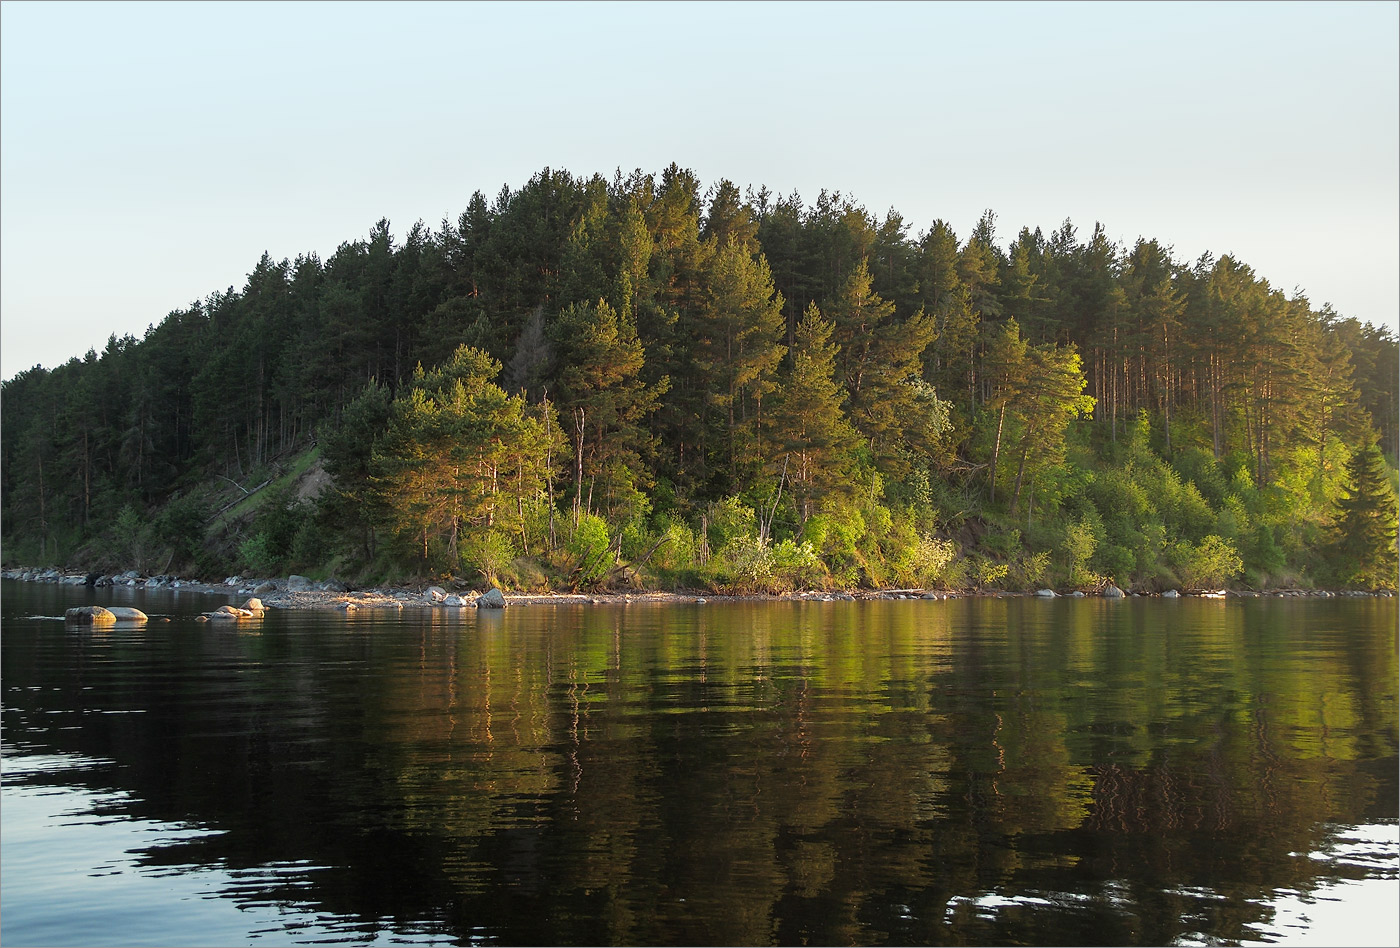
299 592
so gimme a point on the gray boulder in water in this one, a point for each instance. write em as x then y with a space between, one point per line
491 599
90 615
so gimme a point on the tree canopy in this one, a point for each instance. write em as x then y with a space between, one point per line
674 356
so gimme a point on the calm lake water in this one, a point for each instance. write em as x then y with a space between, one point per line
963 772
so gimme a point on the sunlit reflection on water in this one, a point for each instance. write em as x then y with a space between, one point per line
1357 904
76 868
995 772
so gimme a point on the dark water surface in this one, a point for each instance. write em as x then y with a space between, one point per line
962 772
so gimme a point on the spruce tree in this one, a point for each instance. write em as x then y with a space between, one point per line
1366 523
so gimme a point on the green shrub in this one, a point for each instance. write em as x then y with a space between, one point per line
1118 563
1209 564
928 562
310 544
259 554
488 553
1028 570
727 519
1265 554
590 550
180 527
1117 495
1199 468
796 566
744 565
680 551
1080 541
132 538
983 573
1233 520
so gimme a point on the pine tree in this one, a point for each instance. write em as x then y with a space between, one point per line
737 345
810 435
604 400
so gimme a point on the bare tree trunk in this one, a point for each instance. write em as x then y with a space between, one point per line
579 419
996 451
1021 469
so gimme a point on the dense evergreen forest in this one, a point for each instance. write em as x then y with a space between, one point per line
643 380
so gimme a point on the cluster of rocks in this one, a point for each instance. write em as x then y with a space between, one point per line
130 578
250 611
491 599
302 592
1108 592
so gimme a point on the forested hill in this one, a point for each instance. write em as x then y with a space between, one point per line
646 379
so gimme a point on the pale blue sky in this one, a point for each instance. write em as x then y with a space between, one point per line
149 153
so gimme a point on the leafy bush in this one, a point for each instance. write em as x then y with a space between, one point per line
1232 521
1117 495
590 550
1200 469
680 551
928 562
726 519
1080 541
487 552
747 565
311 542
259 554
1028 570
1209 564
744 565
1118 564
983 573
797 566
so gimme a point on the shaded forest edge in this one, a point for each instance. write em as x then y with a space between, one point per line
592 384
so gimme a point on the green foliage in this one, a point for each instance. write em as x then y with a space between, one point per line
679 552
459 453
1365 529
260 554
488 553
743 565
1209 564
987 574
716 349
927 562
132 537
748 565
590 551
727 520
797 566
1081 539
1117 563
179 527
